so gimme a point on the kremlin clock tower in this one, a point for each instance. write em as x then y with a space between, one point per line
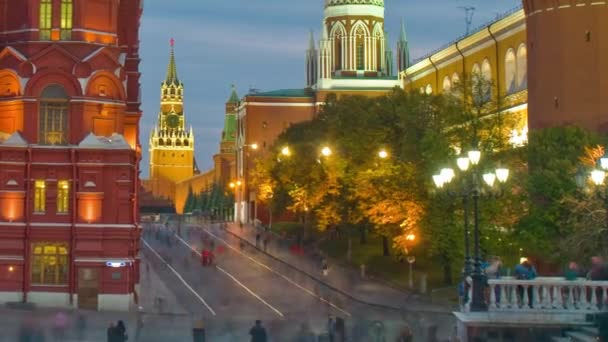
171 144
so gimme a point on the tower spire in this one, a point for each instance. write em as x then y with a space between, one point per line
403 49
172 68
403 35
311 62
388 56
234 97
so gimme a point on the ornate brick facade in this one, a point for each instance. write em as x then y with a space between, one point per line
69 152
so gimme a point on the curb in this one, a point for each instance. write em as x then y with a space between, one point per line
331 287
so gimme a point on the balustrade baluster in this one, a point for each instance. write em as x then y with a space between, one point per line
569 303
503 297
514 297
594 304
493 297
535 300
546 297
525 298
557 297
581 297
603 304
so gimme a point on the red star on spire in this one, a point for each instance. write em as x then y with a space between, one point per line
172 42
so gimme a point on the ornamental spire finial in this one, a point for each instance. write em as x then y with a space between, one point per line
172 68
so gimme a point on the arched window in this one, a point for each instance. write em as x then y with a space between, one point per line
66 19
510 71
161 142
522 67
455 79
486 74
360 33
337 33
429 89
53 116
447 84
46 19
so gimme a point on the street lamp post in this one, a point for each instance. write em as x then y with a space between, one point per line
472 186
411 260
598 177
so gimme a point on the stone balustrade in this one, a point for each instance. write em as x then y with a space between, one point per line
545 294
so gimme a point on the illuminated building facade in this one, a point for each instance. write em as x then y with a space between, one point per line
353 57
498 52
69 152
171 142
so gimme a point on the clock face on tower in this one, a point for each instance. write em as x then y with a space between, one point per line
173 121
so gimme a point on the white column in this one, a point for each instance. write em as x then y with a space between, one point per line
332 53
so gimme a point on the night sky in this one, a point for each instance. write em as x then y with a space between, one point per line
261 44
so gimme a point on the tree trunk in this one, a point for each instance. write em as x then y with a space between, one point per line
447 272
362 236
385 250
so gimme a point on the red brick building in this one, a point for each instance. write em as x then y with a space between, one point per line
69 152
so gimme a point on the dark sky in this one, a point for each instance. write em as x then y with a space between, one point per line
261 44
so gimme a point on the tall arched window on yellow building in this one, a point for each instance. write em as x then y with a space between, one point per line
46 19
510 72
447 84
53 116
486 74
522 67
66 19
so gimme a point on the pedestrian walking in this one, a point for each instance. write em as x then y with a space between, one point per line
205 257
324 266
331 328
198 331
60 323
305 334
111 332
258 333
81 326
266 241
121 332
258 236
139 324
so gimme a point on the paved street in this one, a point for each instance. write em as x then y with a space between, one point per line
246 284
243 285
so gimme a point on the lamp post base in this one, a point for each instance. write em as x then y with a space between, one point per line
478 302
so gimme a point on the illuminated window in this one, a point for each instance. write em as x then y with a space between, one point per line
522 67
49 263
63 196
39 196
46 18
429 89
510 71
486 74
66 19
447 84
53 118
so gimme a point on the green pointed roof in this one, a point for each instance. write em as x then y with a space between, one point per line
172 68
234 97
229 133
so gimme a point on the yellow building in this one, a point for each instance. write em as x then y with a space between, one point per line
497 52
171 144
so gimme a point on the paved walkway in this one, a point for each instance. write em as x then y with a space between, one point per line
154 295
344 279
